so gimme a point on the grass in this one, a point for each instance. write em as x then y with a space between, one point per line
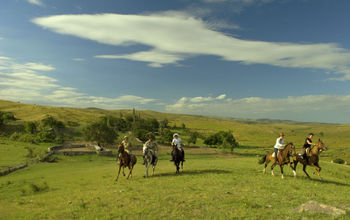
212 185
256 136
14 153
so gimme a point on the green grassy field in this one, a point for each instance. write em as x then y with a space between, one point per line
212 186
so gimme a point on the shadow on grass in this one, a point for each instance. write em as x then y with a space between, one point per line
192 172
325 181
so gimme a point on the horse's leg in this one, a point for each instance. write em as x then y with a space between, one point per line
281 166
153 168
273 166
295 174
267 161
304 169
130 171
146 172
317 171
318 166
182 165
120 165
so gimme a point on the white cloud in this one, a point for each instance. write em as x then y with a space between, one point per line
78 59
257 107
175 36
36 2
23 82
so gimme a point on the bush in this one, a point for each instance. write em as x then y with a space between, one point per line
222 139
100 132
15 136
166 135
45 136
27 138
141 134
339 161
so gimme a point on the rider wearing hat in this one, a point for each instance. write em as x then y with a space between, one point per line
127 145
177 142
307 146
151 145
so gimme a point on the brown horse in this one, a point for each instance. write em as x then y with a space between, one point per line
125 160
283 158
312 159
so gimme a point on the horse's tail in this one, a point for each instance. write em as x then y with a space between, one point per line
262 160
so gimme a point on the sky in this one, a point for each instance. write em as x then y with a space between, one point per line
277 59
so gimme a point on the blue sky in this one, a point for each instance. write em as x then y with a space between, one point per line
285 59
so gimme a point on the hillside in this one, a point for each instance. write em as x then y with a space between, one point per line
254 136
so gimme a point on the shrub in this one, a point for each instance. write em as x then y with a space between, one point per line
339 161
15 136
100 132
27 138
141 134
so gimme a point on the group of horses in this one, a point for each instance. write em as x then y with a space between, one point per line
311 159
150 159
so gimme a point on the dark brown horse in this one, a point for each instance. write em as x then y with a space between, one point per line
312 158
283 158
125 160
178 158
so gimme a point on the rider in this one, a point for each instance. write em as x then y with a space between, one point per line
279 145
151 145
177 142
307 146
127 145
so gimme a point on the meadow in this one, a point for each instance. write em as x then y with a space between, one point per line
215 183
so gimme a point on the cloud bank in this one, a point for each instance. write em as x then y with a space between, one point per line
293 107
28 83
176 36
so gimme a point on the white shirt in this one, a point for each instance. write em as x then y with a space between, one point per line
279 143
177 142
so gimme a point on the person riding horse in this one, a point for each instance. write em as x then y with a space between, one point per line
306 147
279 146
177 142
127 145
150 145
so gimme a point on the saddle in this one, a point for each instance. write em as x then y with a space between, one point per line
273 154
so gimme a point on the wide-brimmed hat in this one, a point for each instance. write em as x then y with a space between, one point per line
176 134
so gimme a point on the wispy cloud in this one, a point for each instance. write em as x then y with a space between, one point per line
27 82
174 37
36 2
78 59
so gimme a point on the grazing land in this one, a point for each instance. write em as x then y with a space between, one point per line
215 183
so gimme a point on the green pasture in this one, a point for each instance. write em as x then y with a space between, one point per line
211 186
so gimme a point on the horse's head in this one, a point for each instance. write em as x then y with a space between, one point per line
320 146
120 148
291 149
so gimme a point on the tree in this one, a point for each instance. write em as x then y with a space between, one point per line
164 124
222 138
100 132
31 127
183 126
193 137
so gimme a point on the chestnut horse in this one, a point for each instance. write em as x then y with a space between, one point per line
283 158
312 159
125 160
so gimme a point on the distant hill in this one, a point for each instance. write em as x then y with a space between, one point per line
253 133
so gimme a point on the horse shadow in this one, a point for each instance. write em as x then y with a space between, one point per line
323 181
193 172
